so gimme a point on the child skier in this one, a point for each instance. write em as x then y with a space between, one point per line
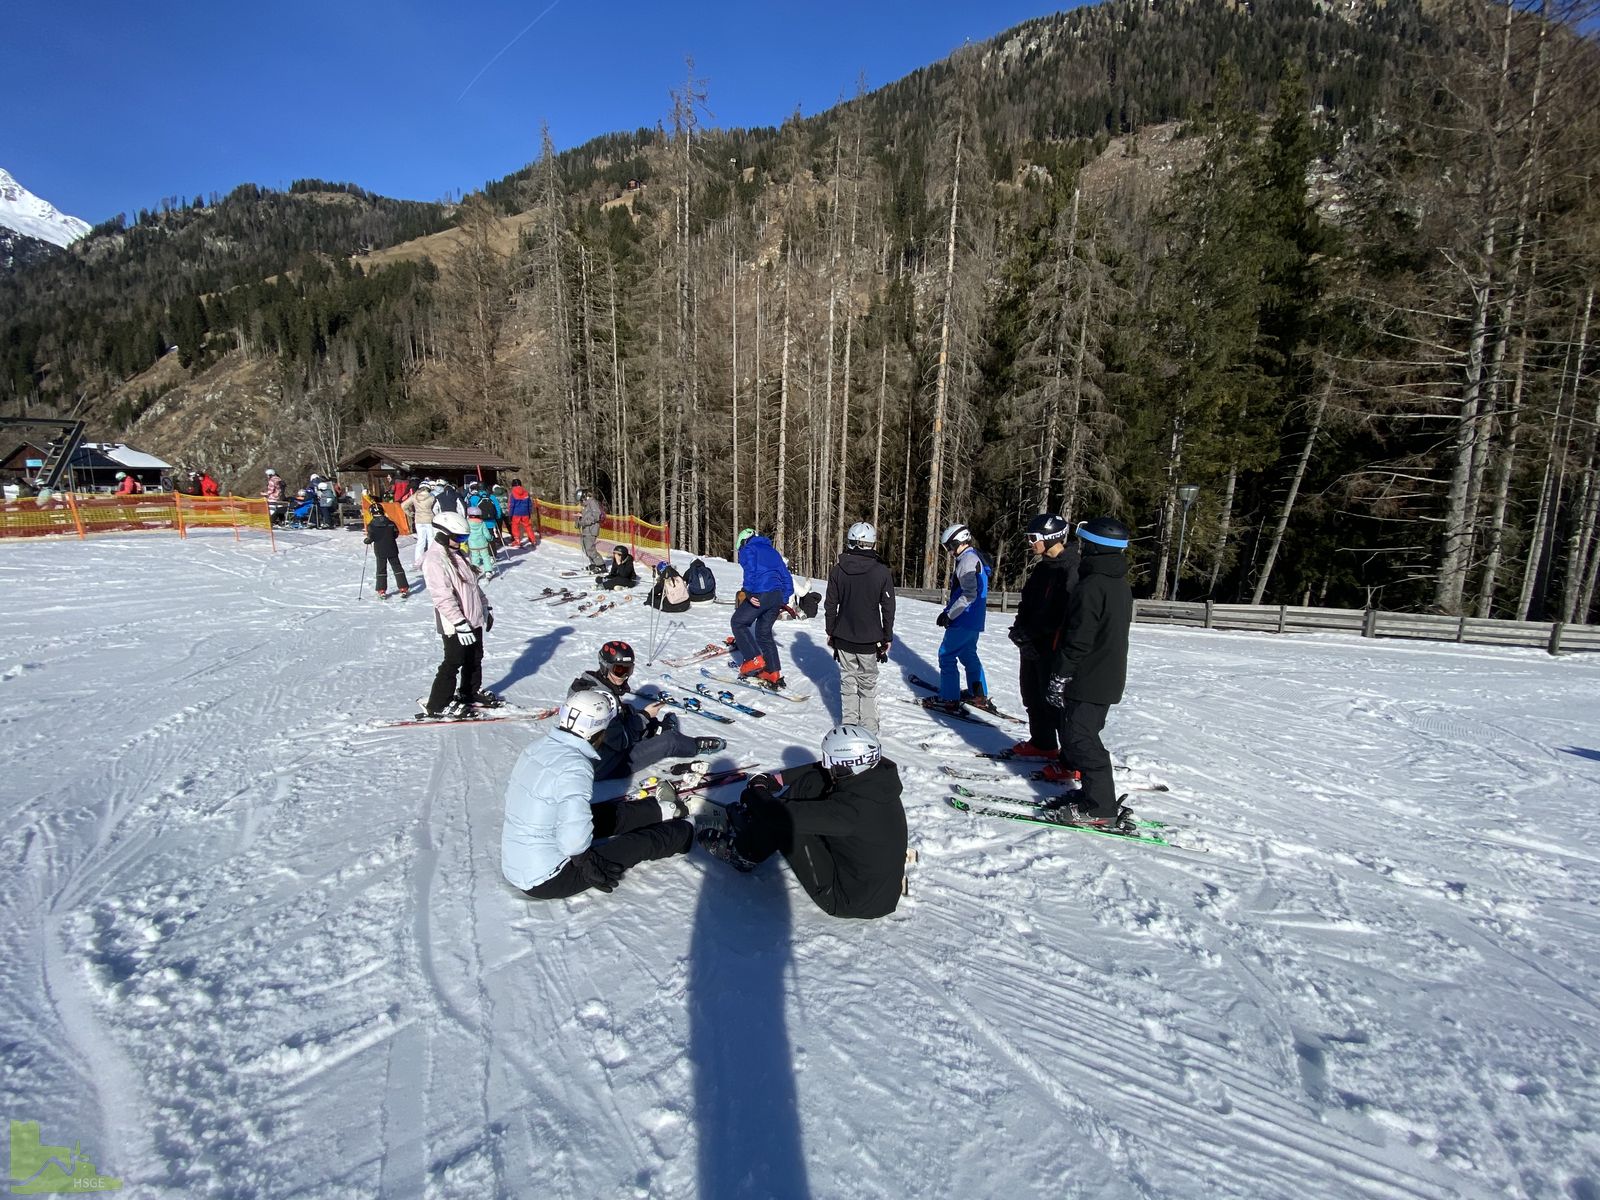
463 616
962 620
382 536
479 541
767 588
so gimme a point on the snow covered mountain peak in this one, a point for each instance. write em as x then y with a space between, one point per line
25 213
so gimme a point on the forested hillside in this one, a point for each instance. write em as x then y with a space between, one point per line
1333 264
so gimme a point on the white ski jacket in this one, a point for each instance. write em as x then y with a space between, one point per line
547 809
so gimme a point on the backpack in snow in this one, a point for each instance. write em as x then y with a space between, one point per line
808 604
699 580
673 588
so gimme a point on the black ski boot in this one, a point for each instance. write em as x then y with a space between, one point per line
719 844
710 745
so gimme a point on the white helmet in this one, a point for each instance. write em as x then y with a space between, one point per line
954 536
270 471
452 523
587 712
314 478
122 474
850 749
862 536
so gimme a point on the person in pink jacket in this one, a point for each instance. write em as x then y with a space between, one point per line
463 616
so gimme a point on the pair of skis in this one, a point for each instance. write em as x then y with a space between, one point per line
709 651
692 705
969 711
480 716
752 683
604 606
1128 829
720 697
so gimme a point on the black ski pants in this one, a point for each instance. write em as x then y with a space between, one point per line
463 663
762 826
1044 722
633 832
386 560
1082 750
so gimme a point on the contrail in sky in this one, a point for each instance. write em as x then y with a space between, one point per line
506 47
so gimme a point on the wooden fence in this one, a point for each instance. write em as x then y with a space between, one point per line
1553 636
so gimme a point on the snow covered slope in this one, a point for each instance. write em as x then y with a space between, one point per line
252 950
24 212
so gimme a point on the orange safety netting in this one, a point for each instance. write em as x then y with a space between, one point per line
648 543
65 513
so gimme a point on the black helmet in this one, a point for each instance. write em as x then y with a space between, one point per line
617 656
1046 527
1104 533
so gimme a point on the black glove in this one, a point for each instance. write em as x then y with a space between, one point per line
366 541
488 621
883 651
599 873
1024 644
943 620
763 783
1056 694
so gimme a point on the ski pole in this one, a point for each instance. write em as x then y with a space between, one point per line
655 615
361 587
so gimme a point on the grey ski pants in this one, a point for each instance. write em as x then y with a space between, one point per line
858 689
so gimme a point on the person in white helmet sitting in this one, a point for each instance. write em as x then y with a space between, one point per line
555 842
840 824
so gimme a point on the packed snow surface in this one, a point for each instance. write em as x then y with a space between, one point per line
253 948
24 212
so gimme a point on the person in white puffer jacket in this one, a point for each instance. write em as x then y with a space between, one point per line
556 843
418 508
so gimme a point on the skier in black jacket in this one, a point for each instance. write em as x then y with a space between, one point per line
1040 629
381 535
1091 669
639 735
858 615
840 824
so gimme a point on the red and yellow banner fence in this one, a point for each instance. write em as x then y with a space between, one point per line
65 514
648 543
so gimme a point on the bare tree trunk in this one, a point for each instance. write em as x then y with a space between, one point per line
877 453
783 401
755 456
1294 491
930 545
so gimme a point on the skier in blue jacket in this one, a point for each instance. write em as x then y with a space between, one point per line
767 588
962 620
556 843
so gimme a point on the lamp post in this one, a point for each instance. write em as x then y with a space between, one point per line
1188 493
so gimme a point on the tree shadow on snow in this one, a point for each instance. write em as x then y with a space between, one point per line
534 655
746 1103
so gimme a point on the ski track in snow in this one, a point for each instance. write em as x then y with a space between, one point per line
255 949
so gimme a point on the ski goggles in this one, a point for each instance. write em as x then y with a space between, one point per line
622 669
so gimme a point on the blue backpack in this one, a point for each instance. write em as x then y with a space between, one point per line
702 583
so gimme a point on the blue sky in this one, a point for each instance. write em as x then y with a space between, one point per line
112 107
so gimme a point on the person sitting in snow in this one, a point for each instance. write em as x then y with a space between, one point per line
839 823
622 574
555 842
639 736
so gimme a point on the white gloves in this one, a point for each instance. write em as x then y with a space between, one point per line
464 634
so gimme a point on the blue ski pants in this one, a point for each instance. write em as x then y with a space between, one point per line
752 628
960 649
